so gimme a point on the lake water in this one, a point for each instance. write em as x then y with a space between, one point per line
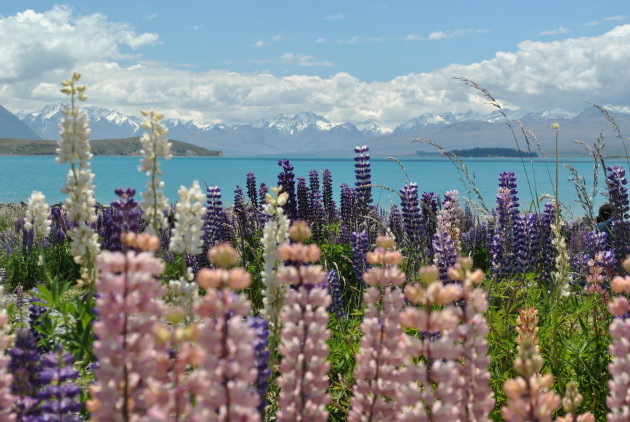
19 175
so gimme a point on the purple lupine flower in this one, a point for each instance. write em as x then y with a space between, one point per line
395 223
411 215
618 197
241 219
59 225
348 212
478 237
316 213
261 358
547 250
25 366
59 398
444 254
304 209
336 306
123 217
430 206
327 194
360 247
19 297
526 241
286 180
503 246
35 311
252 193
216 223
363 183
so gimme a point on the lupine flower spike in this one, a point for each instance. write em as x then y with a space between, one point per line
6 398
303 377
223 384
376 374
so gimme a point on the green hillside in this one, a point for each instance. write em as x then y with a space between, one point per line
127 146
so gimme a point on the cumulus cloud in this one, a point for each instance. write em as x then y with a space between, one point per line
537 75
34 43
558 30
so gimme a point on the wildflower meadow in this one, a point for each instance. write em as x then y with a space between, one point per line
292 305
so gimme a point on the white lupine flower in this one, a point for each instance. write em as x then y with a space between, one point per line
275 233
80 202
37 215
188 230
562 259
155 145
184 292
84 246
74 142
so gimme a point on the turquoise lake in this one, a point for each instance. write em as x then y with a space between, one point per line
19 175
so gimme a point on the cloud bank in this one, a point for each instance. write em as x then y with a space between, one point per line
40 49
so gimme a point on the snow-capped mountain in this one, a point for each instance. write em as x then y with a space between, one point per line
12 127
310 133
104 123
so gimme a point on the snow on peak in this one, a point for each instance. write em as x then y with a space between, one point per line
373 126
292 124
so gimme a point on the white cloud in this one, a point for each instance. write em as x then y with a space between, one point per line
303 60
616 18
336 17
320 40
558 30
537 75
355 39
413 37
259 44
34 43
272 40
151 16
440 35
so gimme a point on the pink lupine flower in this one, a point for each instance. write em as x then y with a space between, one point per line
570 403
432 386
223 383
619 399
6 399
380 355
128 307
303 345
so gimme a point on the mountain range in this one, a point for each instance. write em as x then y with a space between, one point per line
307 133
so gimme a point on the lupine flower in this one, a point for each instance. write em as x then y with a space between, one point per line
444 253
125 218
348 212
316 212
376 373
618 196
360 247
35 311
275 233
155 145
6 379
478 237
223 384
411 214
327 193
37 215
562 258
74 147
571 402
363 183
527 325
618 400
59 225
251 190
547 251
530 397
336 305
449 218
241 220
261 358
304 368
395 223
187 236
216 225
183 293
59 398
128 306
430 207
25 367
302 195
417 397
286 180
503 246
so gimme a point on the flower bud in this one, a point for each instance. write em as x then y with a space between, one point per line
300 232
223 255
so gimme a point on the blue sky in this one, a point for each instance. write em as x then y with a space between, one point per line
349 61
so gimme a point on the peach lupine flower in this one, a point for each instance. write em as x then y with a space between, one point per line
376 373
223 382
128 306
303 379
